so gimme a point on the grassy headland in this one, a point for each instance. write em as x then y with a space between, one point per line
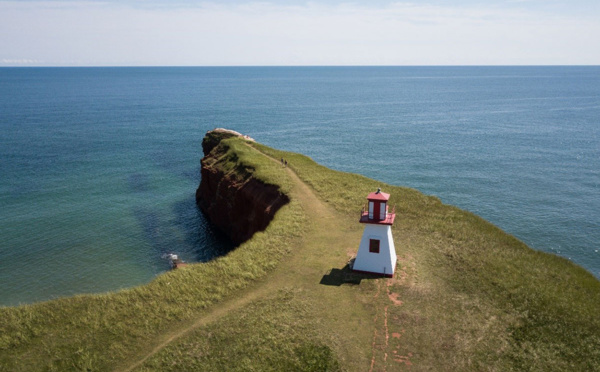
466 296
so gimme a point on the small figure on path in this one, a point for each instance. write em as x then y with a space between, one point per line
285 166
282 162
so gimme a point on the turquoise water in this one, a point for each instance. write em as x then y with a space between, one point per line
99 165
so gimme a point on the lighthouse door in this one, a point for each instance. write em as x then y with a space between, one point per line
376 211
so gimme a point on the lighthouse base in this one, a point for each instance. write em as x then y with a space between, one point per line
372 273
376 253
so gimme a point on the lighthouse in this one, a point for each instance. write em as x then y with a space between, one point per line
376 252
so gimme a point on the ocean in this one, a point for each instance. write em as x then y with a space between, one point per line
99 166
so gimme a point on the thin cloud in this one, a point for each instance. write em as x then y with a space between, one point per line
252 33
20 61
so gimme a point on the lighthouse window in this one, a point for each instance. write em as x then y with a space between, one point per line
374 245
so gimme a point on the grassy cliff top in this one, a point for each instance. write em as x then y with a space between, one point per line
466 296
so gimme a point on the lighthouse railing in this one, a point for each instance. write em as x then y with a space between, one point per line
364 213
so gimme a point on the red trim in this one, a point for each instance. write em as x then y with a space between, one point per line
376 211
389 219
373 273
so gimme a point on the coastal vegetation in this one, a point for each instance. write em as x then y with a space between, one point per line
466 295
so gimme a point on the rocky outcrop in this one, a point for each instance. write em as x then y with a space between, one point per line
234 200
214 137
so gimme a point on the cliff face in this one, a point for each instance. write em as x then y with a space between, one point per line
230 196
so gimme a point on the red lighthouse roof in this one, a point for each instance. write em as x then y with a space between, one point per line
378 195
377 211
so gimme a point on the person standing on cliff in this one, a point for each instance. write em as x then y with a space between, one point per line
285 166
282 162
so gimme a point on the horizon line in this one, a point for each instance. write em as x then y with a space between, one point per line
283 66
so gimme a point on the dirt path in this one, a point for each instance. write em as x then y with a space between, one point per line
216 312
309 201
326 245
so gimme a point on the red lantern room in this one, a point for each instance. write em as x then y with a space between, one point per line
377 209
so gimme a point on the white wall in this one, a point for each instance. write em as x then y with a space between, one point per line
383 262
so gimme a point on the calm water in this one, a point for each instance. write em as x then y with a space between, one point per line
99 165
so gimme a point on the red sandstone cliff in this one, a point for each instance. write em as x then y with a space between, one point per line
234 200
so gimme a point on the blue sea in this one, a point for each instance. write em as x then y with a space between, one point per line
98 166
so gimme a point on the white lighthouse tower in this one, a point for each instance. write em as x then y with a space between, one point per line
376 253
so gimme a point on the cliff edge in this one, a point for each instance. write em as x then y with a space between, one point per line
233 199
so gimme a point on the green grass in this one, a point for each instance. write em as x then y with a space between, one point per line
277 333
466 296
493 303
99 331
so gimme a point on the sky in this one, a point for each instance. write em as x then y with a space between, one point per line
297 33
